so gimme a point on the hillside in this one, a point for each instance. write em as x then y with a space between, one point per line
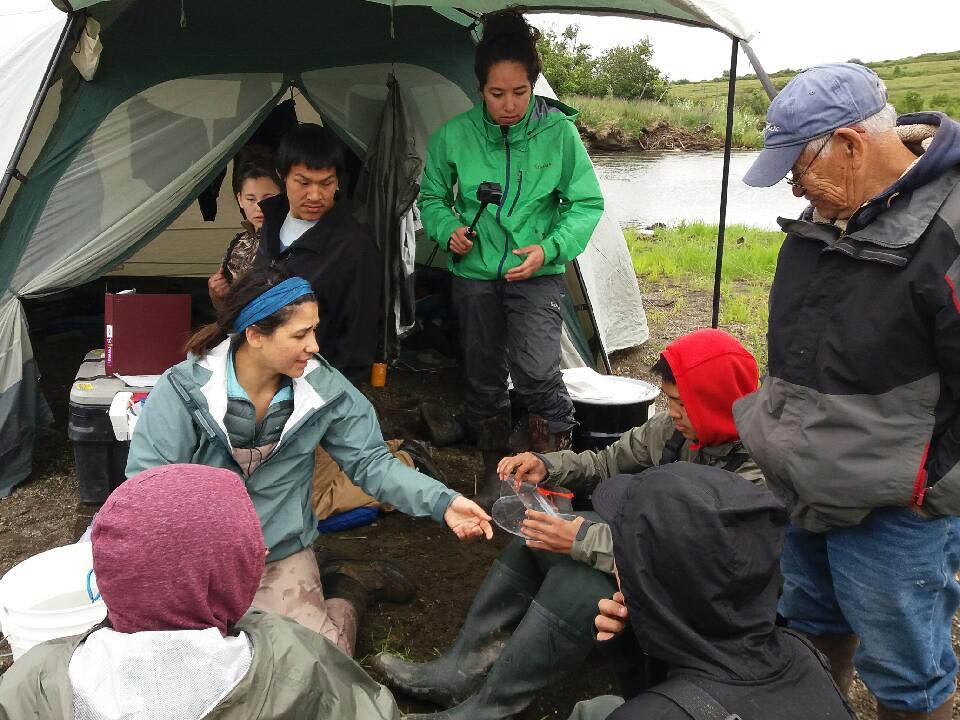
928 81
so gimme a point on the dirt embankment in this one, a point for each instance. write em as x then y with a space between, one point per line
662 136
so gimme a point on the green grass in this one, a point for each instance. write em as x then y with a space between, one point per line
930 75
635 117
685 256
391 645
932 79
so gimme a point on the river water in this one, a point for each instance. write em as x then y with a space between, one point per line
642 188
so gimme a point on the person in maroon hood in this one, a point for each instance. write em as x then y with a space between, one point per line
178 554
544 590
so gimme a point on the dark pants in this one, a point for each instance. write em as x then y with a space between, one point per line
513 328
568 588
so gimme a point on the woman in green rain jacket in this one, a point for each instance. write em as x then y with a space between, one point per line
508 274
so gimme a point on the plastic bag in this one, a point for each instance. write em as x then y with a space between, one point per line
510 510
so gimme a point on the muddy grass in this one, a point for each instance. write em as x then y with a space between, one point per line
44 512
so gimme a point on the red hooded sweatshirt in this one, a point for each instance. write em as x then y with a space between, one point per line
712 370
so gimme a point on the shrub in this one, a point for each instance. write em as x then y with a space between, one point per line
912 102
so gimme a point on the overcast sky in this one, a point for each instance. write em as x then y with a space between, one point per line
787 34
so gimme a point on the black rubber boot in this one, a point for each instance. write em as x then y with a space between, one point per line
543 649
382 581
500 603
443 427
493 439
422 457
338 585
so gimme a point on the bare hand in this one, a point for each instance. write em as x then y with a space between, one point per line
612 618
467 519
218 287
528 267
460 242
526 467
548 532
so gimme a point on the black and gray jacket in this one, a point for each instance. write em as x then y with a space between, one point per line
861 405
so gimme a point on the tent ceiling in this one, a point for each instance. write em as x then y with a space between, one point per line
701 13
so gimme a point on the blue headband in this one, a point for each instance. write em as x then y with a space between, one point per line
266 304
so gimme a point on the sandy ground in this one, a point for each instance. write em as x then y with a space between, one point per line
43 512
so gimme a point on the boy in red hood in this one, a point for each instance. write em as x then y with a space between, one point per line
701 375
547 600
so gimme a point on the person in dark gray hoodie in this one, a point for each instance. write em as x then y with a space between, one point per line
692 633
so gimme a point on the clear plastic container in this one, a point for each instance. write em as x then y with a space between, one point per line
510 510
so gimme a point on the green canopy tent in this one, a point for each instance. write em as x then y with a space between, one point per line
96 169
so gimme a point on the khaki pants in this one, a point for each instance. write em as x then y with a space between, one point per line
291 587
333 492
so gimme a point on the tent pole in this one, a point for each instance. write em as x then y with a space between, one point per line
727 144
593 317
75 19
387 296
758 69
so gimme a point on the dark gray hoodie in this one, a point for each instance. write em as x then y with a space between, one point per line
698 552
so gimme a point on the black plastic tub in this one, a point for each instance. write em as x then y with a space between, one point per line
602 422
100 458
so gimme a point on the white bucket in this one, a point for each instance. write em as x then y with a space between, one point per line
46 597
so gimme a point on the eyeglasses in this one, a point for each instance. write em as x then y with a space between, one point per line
794 182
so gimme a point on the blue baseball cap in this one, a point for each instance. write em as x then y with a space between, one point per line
817 101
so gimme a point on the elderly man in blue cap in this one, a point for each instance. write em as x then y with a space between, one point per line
857 424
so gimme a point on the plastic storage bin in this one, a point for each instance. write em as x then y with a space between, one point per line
100 457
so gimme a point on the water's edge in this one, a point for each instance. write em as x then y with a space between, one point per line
643 188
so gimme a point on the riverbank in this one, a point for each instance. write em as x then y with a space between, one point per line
676 263
612 124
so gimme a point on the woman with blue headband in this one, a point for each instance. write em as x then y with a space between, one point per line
254 397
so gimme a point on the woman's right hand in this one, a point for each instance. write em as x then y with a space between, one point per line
612 618
460 242
526 467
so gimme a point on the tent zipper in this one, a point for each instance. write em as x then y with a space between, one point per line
506 238
517 196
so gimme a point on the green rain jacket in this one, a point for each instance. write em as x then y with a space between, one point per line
296 674
551 196
182 422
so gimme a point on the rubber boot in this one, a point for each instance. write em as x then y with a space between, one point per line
338 585
543 649
498 606
493 439
381 580
443 427
838 650
422 457
944 712
544 441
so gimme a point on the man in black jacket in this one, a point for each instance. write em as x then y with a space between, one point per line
696 552
311 229
857 425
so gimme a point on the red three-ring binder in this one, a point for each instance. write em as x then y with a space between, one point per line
144 334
